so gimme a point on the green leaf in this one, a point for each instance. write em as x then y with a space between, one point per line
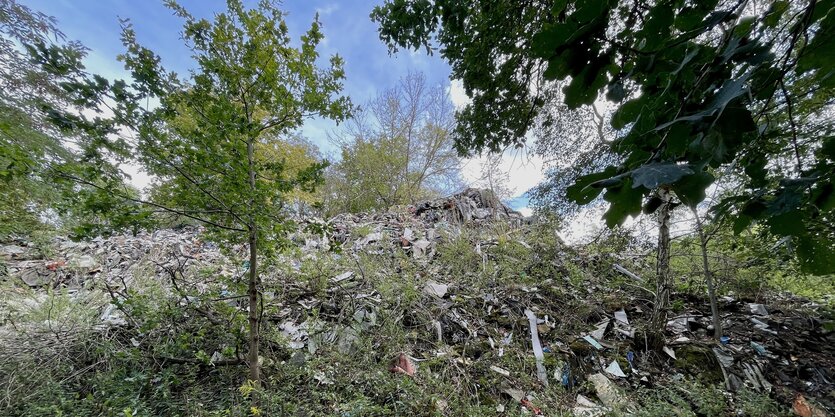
584 87
816 255
741 223
552 37
582 191
625 200
691 189
627 113
786 224
651 176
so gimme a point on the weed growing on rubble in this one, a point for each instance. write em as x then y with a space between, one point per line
755 404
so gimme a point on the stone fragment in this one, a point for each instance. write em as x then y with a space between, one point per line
606 390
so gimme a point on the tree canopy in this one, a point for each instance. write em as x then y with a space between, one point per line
250 86
697 88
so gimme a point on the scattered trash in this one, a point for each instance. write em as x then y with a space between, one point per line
607 391
342 277
587 408
499 370
593 342
600 330
760 349
758 309
514 393
534 409
322 378
467 324
537 348
620 316
403 365
626 272
435 289
371 238
421 248
566 379
760 325
614 369
802 408
680 325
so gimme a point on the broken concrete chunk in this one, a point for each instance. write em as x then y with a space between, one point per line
84 262
435 289
420 248
587 408
371 238
9 252
342 277
757 309
35 273
606 390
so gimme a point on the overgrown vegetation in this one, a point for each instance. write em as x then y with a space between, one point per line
164 361
644 107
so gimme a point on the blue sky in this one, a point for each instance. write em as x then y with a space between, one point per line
348 31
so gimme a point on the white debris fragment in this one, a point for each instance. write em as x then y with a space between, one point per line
615 369
435 289
537 348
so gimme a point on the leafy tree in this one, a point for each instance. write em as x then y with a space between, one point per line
27 144
398 150
494 178
697 86
297 154
250 86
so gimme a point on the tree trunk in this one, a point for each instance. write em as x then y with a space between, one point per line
662 280
711 290
252 290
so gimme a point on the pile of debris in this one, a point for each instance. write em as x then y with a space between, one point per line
520 336
472 205
104 259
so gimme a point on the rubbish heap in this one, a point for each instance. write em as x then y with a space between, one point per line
589 342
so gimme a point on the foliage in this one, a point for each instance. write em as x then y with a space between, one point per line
28 146
251 86
396 151
494 178
747 264
739 86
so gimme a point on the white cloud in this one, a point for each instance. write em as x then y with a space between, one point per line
457 94
525 170
329 9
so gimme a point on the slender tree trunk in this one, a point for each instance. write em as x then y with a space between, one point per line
252 290
662 280
711 289
254 331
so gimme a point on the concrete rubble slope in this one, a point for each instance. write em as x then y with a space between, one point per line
586 337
